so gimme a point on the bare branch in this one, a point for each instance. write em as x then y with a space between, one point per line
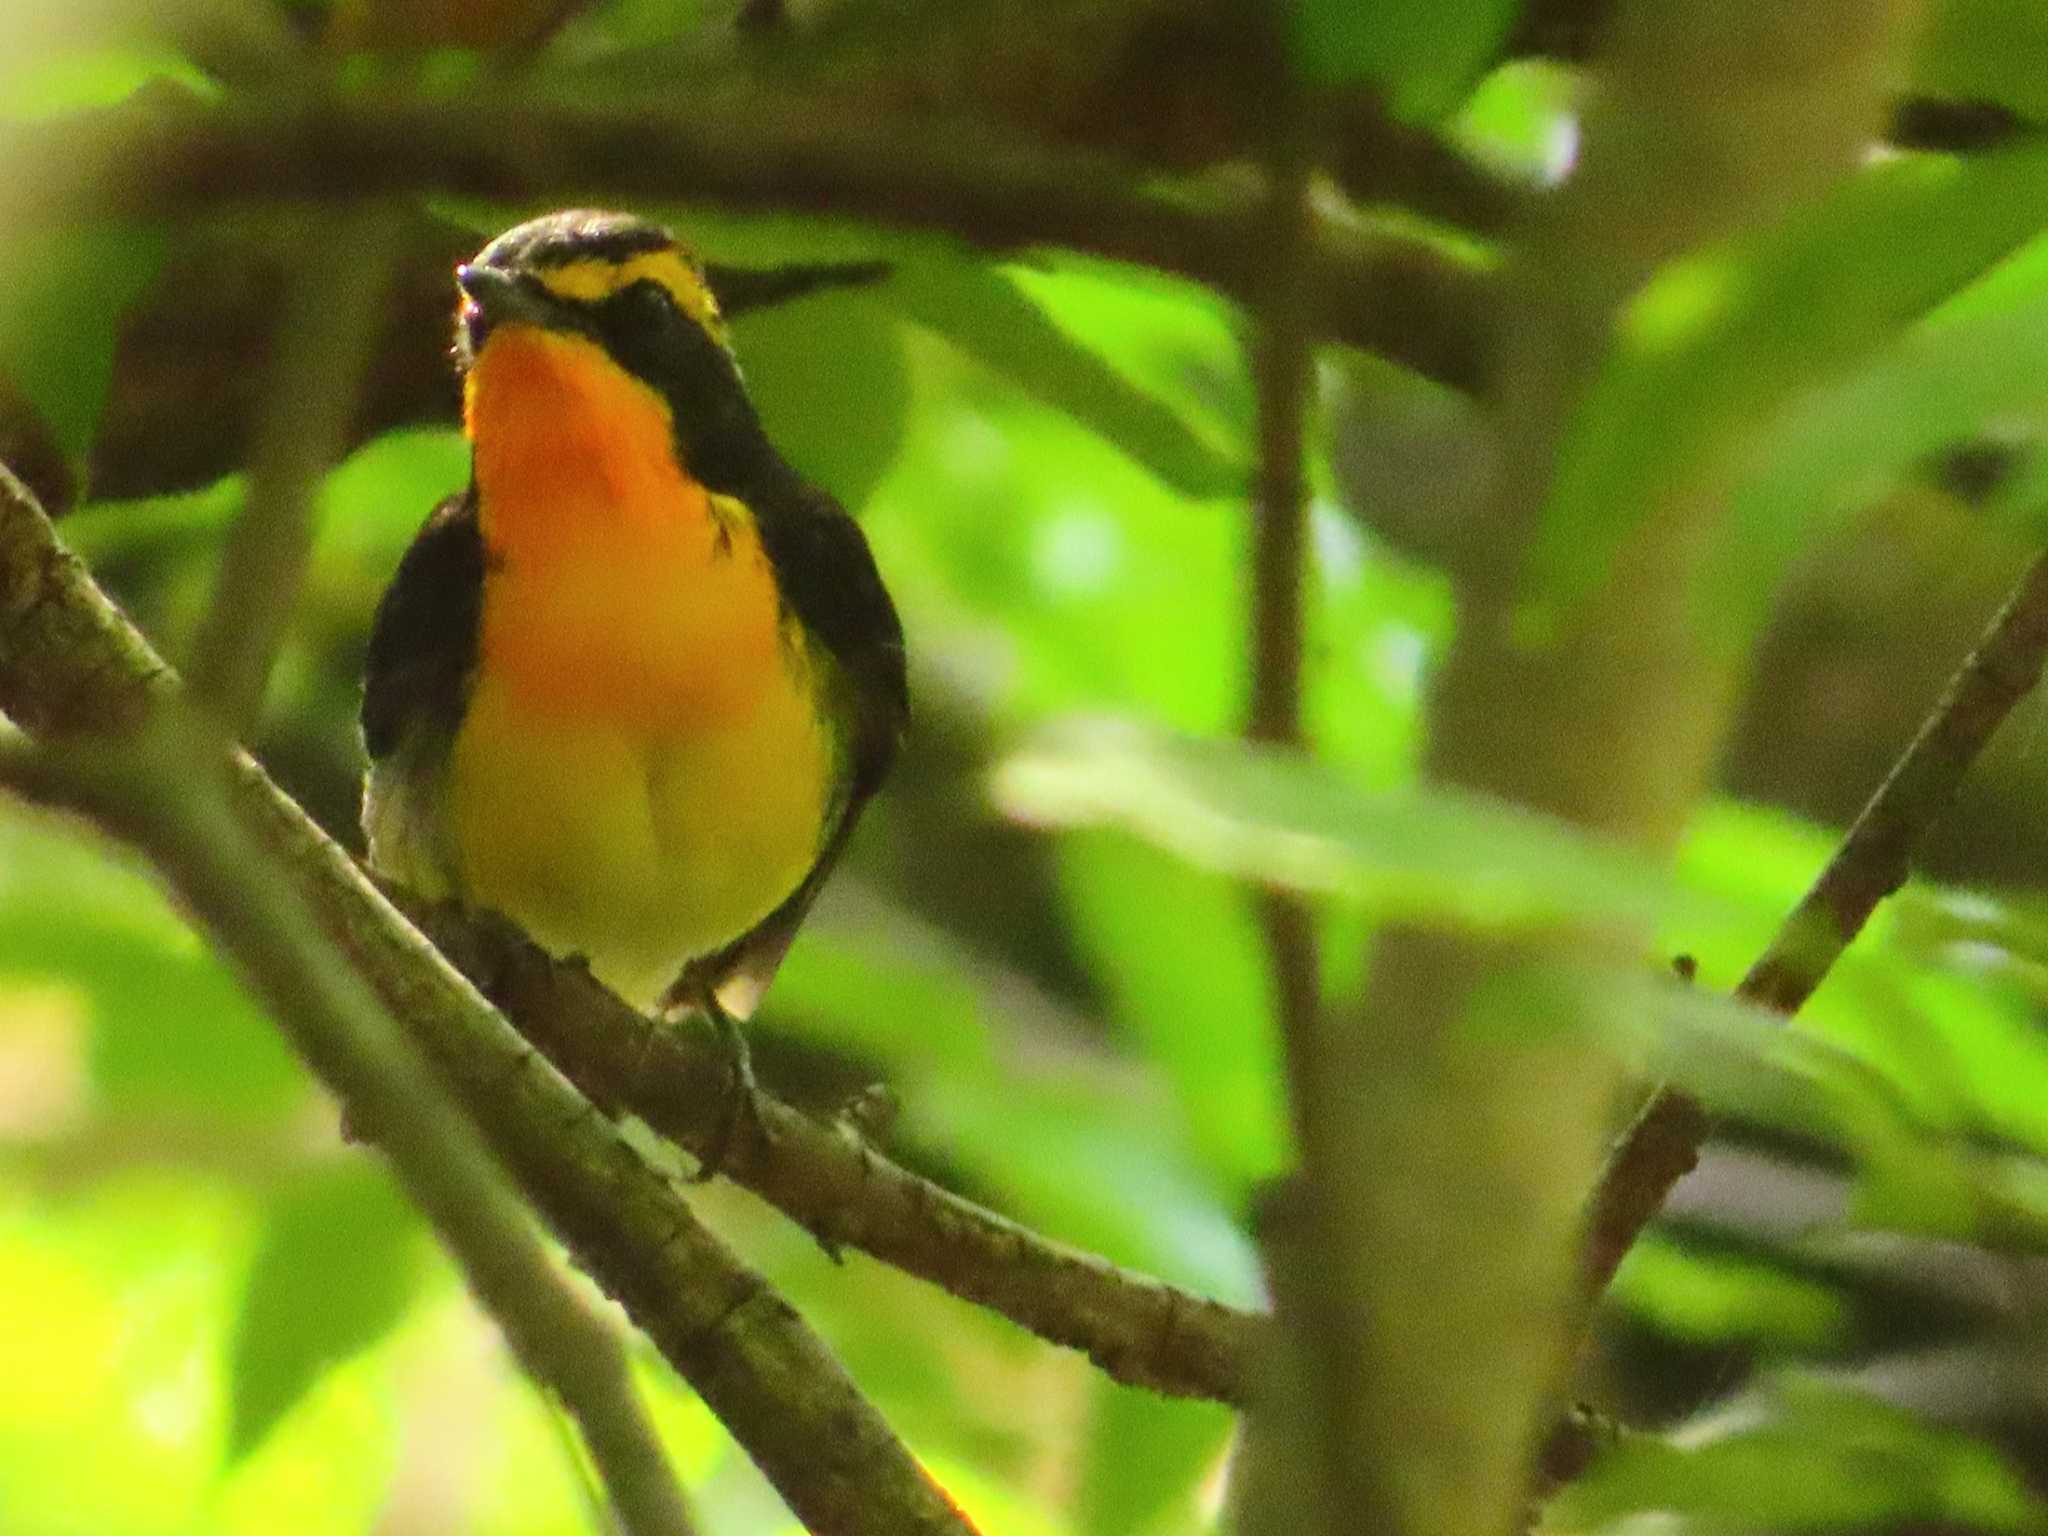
1871 863
342 266
70 662
74 664
1138 1330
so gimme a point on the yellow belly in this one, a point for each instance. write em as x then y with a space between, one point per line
641 774
639 850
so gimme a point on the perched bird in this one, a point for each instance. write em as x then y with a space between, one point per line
634 685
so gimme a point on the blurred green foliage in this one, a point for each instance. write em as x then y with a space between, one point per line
210 1292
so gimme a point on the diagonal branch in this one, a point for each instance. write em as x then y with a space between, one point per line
828 1179
163 792
72 668
1871 863
69 662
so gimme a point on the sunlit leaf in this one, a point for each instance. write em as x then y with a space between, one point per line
1717 1299
36 84
1746 1063
153 529
981 310
1194 993
119 1290
1981 977
1145 1455
913 1008
338 1261
1928 388
1288 821
1520 119
1806 1455
1089 1157
1720 341
828 376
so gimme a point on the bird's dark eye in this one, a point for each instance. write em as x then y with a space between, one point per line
644 303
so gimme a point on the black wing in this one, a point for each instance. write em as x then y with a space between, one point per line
423 645
423 641
829 581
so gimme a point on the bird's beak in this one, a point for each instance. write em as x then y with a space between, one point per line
498 297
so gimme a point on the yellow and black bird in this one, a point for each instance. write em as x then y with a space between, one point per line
633 686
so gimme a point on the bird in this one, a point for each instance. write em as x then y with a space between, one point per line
633 686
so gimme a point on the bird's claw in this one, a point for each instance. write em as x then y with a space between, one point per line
742 1095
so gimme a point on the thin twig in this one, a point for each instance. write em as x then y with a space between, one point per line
70 662
164 793
1872 862
1282 364
162 155
341 267
1296 1453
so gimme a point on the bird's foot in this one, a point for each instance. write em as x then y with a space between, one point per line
742 1094
869 1113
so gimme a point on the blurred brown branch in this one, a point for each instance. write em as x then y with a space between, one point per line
163 153
1296 1466
342 266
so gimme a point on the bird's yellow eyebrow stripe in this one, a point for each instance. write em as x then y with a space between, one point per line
592 280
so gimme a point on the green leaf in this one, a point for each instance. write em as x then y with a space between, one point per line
1745 1062
154 530
983 311
66 295
1520 120
1920 1164
1719 343
621 47
38 84
1924 390
1194 993
337 1263
1804 1455
1145 1455
1423 55
828 375
1718 1299
1979 975
919 1009
171 1026
1287 821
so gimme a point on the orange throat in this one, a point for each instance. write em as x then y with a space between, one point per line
644 769
618 587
